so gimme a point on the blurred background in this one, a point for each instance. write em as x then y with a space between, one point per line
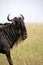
29 51
32 10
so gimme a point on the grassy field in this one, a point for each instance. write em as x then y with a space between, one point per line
30 51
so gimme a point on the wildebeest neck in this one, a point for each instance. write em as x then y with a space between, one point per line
10 33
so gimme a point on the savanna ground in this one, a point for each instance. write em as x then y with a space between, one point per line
30 51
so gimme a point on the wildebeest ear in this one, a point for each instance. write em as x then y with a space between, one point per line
21 18
15 20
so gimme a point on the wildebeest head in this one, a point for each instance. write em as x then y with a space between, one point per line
19 22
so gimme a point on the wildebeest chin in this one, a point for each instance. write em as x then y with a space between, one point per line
10 33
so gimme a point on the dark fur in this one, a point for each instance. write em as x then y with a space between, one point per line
9 35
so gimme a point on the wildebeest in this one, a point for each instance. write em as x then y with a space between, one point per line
10 33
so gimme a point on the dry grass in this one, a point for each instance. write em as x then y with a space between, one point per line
30 51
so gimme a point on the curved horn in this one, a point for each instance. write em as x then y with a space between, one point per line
8 18
22 16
